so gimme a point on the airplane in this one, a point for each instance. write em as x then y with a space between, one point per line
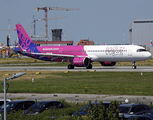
80 56
2 45
151 42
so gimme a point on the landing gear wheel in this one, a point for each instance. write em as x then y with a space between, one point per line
89 66
70 66
134 67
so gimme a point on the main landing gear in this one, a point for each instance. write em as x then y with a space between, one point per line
70 66
89 66
133 65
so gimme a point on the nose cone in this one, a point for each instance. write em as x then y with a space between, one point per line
148 55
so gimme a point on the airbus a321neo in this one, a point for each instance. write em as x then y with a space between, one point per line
81 56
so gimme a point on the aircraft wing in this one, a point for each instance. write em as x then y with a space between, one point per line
54 55
17 50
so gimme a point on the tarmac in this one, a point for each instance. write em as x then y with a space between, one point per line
64 68
78 97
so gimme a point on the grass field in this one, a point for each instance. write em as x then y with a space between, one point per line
117 83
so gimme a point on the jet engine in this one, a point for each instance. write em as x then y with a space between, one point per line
81 62
108 63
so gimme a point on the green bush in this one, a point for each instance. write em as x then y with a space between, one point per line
46 115
98 112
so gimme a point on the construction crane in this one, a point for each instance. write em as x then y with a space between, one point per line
52 8
7 29
34 22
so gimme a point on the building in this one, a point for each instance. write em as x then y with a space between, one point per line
53 43
85 42
37 38
141 32
56 34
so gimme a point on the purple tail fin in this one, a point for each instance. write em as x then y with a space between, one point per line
25 42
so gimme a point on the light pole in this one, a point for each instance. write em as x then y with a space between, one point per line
9 31
16 75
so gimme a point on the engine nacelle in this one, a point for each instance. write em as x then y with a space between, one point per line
81 62
108 63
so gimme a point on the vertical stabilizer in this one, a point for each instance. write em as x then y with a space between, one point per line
25 43
151 42
2 44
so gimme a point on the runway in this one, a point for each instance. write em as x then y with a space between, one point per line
64 68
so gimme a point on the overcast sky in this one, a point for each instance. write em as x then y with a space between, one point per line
101 21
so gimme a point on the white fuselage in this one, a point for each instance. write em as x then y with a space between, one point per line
117 53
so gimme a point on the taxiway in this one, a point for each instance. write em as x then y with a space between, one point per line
64 68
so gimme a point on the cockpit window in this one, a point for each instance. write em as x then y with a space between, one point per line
141 50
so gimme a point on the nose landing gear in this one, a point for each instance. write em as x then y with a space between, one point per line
133 65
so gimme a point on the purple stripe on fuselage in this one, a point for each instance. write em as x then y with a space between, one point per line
65 50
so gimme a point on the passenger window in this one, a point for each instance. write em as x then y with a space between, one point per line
50 105
19 106
139 108
146 107
58 105
133 109
27 104
54 105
